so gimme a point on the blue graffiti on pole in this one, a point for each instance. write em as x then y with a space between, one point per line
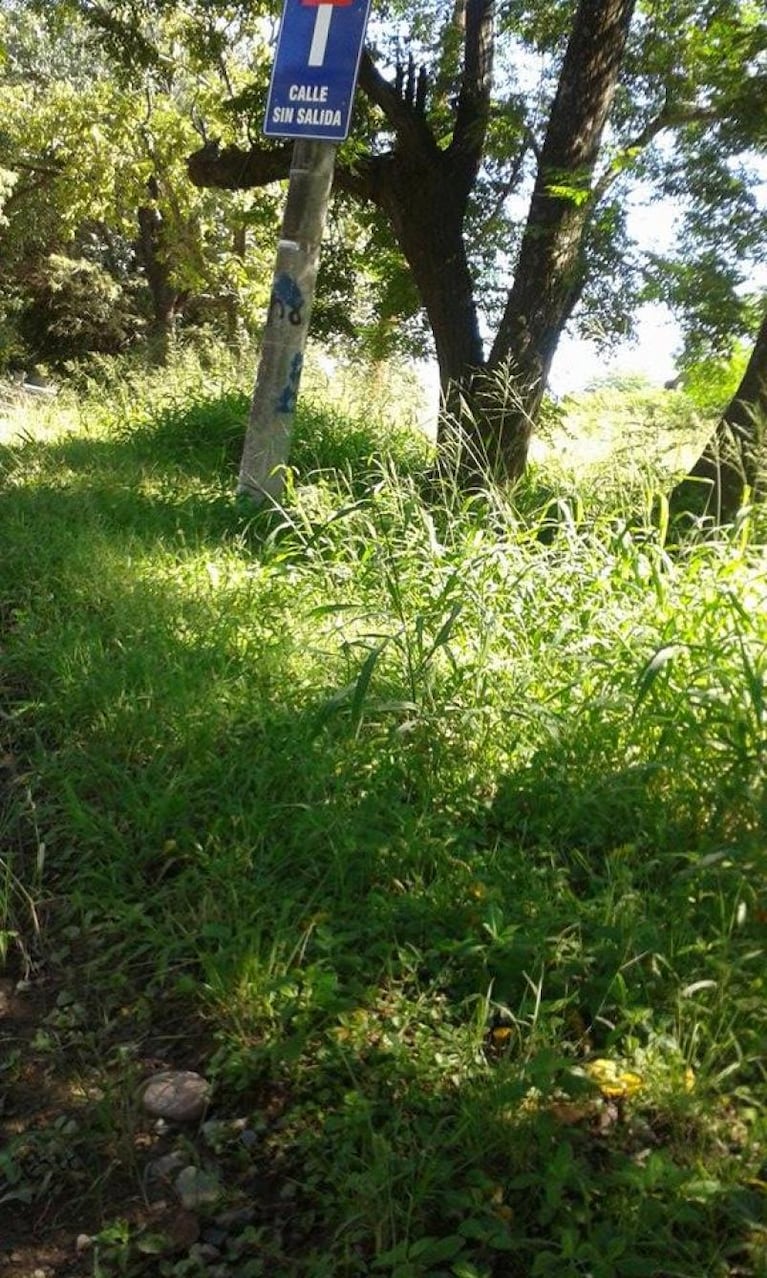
287 400
287 299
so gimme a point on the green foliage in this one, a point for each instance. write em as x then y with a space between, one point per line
623 430
67 110
75 308
711 383
445 816
126 91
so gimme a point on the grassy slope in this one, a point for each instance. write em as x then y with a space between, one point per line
415 810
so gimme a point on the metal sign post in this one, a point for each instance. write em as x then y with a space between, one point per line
310 98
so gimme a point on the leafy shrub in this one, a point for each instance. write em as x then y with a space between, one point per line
76 307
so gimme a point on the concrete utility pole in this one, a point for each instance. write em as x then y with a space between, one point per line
310 98
267 442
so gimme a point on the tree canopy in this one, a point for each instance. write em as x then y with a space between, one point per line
486 185
501 151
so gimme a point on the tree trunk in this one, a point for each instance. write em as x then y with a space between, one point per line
426 209
550 272
735 457
166 299
424 189
235 327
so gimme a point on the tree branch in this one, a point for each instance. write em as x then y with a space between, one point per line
511 181
405 117
667 118
47 170
134 43
473 111
20 192
232 168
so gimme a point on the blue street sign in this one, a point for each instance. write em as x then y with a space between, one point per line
315 69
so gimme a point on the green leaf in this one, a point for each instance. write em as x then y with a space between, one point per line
363 683
654 666
152 1244
433 1251
700 1190
462 1269
445 630
576 195
394 1256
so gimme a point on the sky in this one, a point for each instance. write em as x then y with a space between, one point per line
578 362
653 224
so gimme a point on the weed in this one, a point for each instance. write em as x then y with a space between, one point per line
444 814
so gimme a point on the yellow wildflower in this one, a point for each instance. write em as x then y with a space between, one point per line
613 1081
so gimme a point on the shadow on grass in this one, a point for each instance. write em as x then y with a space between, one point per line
173 478
347 935
345 926
337 904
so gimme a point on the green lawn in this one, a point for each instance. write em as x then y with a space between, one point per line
431 828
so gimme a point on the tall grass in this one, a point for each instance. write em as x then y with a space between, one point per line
419 804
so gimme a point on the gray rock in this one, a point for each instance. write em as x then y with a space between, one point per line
176 1096
236 1217
214 1237
161 1168
197 1188
207 1252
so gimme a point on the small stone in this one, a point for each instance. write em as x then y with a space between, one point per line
161 1168
197 1188
236 1217
177 1096
182 1230
83 1242
214 1237
206 1251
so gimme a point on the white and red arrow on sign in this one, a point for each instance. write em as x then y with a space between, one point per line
322 27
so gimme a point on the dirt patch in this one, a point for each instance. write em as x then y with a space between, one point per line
30 1108
89 1182
73 1141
